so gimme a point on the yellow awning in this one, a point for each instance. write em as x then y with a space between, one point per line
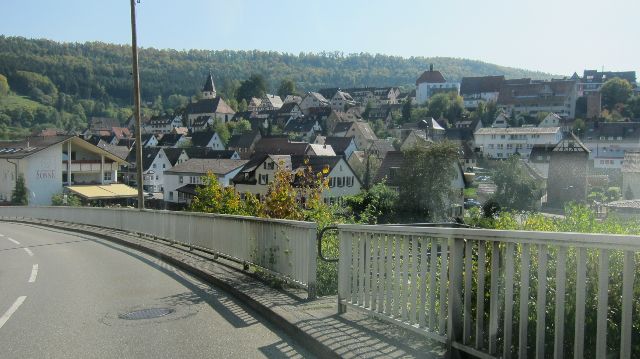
110 191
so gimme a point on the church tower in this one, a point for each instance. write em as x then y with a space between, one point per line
209 89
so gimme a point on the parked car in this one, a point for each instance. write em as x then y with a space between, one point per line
471 202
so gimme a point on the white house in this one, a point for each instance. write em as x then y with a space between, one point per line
256 174
155 161
207 139
499 143
162 124
480 89
432 82
182 180
259 172
551 120
610 141
201 123
341 99
501 121
342 146
47 167
313 100
270 102
315 149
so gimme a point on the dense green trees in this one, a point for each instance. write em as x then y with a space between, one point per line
615 91
19 195
101 71
424 180
4 86
76 81
287 87
254 86
515 189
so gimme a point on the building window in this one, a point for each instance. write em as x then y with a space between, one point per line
163 166
154 165
263 179
107 176
171 195
350 181
180 179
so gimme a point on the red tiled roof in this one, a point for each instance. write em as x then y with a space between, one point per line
431 77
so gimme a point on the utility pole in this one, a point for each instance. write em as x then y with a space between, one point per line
136 101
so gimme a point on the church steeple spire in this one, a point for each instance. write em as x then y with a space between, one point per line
209 89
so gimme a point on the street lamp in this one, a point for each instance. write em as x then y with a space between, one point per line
136 100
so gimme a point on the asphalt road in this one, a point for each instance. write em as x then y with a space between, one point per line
71 304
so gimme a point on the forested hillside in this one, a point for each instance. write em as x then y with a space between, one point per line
74 81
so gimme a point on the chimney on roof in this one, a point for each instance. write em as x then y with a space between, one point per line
430 67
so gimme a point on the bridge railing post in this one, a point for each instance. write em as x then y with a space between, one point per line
455 309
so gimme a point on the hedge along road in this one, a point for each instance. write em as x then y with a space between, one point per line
64 294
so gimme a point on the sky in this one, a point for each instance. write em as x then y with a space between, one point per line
554 36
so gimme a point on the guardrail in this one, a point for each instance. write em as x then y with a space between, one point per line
284 248
494 293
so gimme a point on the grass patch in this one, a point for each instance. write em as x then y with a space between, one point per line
13 102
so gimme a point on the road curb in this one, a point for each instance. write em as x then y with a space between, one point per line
294 331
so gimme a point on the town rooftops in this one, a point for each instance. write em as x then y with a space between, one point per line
517 130
477 85
169 139
322 150
339 144
536 92
173 154
274 101
120 151
393 160
321 99
209 105
595 76
148 156
206 152
205 165
288 107
201 121
103 123
613 130
244 140
201 139
300 125
280 146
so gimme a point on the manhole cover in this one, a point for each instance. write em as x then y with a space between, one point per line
146 313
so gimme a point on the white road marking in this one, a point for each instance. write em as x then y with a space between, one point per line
13 240
5 317
29 252
34 273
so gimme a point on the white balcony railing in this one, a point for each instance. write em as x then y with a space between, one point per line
285 248
91 166
497 293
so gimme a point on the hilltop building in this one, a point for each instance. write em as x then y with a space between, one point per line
432 82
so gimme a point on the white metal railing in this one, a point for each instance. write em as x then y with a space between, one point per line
495 293
284 248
